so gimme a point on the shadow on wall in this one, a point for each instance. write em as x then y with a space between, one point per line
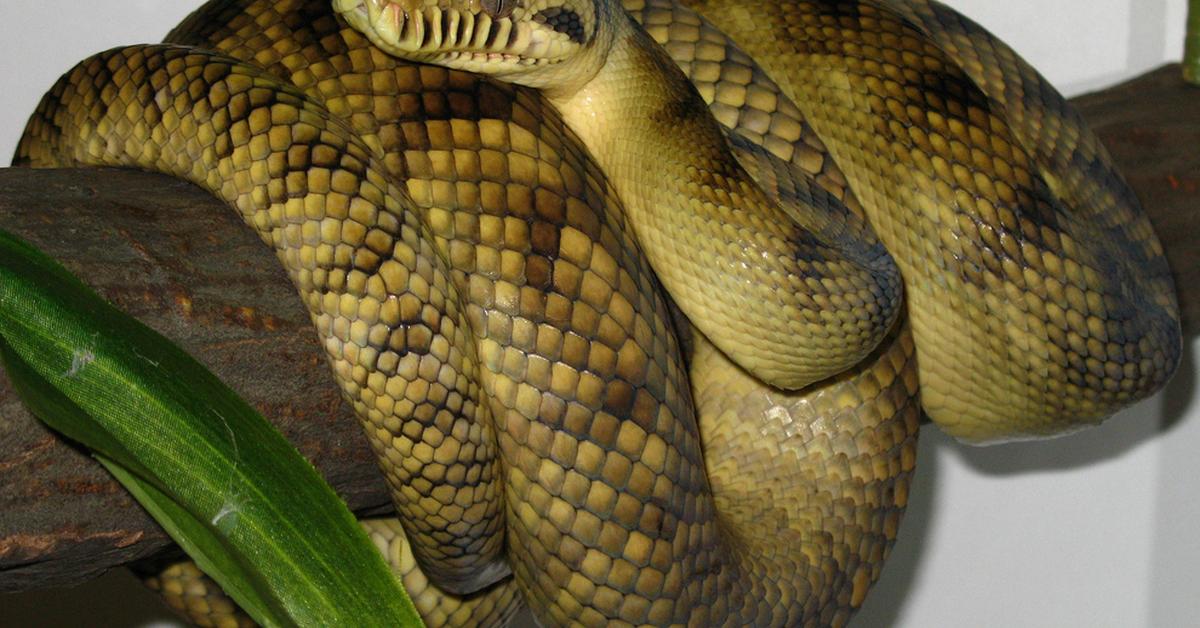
1176 547
1149 27
1176 508
900 573
1150 35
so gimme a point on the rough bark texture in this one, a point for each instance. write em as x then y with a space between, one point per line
1151 125
177 260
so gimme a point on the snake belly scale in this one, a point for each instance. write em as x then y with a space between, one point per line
481 291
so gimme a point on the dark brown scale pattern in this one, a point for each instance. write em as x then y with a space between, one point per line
580 330
570 350
1050 129
851 442
739 93
777 287
378 291
760 444
1036 296
499 334
767 131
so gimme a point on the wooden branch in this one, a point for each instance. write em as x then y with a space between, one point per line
179 261
183 263
1151 125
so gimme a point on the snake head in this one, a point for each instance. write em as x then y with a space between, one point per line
546 44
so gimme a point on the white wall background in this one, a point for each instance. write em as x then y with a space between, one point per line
1098 529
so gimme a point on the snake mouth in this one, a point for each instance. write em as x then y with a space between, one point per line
468 39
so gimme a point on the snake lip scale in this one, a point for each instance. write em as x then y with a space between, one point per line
641 327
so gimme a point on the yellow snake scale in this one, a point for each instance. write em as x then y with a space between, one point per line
495 321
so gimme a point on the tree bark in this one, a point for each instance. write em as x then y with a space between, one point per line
179 261
1151 125
176 259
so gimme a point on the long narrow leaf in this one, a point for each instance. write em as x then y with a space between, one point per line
220 479
46 401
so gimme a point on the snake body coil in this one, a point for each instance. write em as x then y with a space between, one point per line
1040 298
481 291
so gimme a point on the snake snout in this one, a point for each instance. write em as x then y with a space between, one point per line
499 37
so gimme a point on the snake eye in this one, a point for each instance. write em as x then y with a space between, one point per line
499 9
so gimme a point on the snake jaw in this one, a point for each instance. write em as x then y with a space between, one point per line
465 35
457 36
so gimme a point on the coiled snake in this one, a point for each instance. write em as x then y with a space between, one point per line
479 284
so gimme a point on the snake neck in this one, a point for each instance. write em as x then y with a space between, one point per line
640 97
673 168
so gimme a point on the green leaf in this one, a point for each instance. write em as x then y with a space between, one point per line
221 480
